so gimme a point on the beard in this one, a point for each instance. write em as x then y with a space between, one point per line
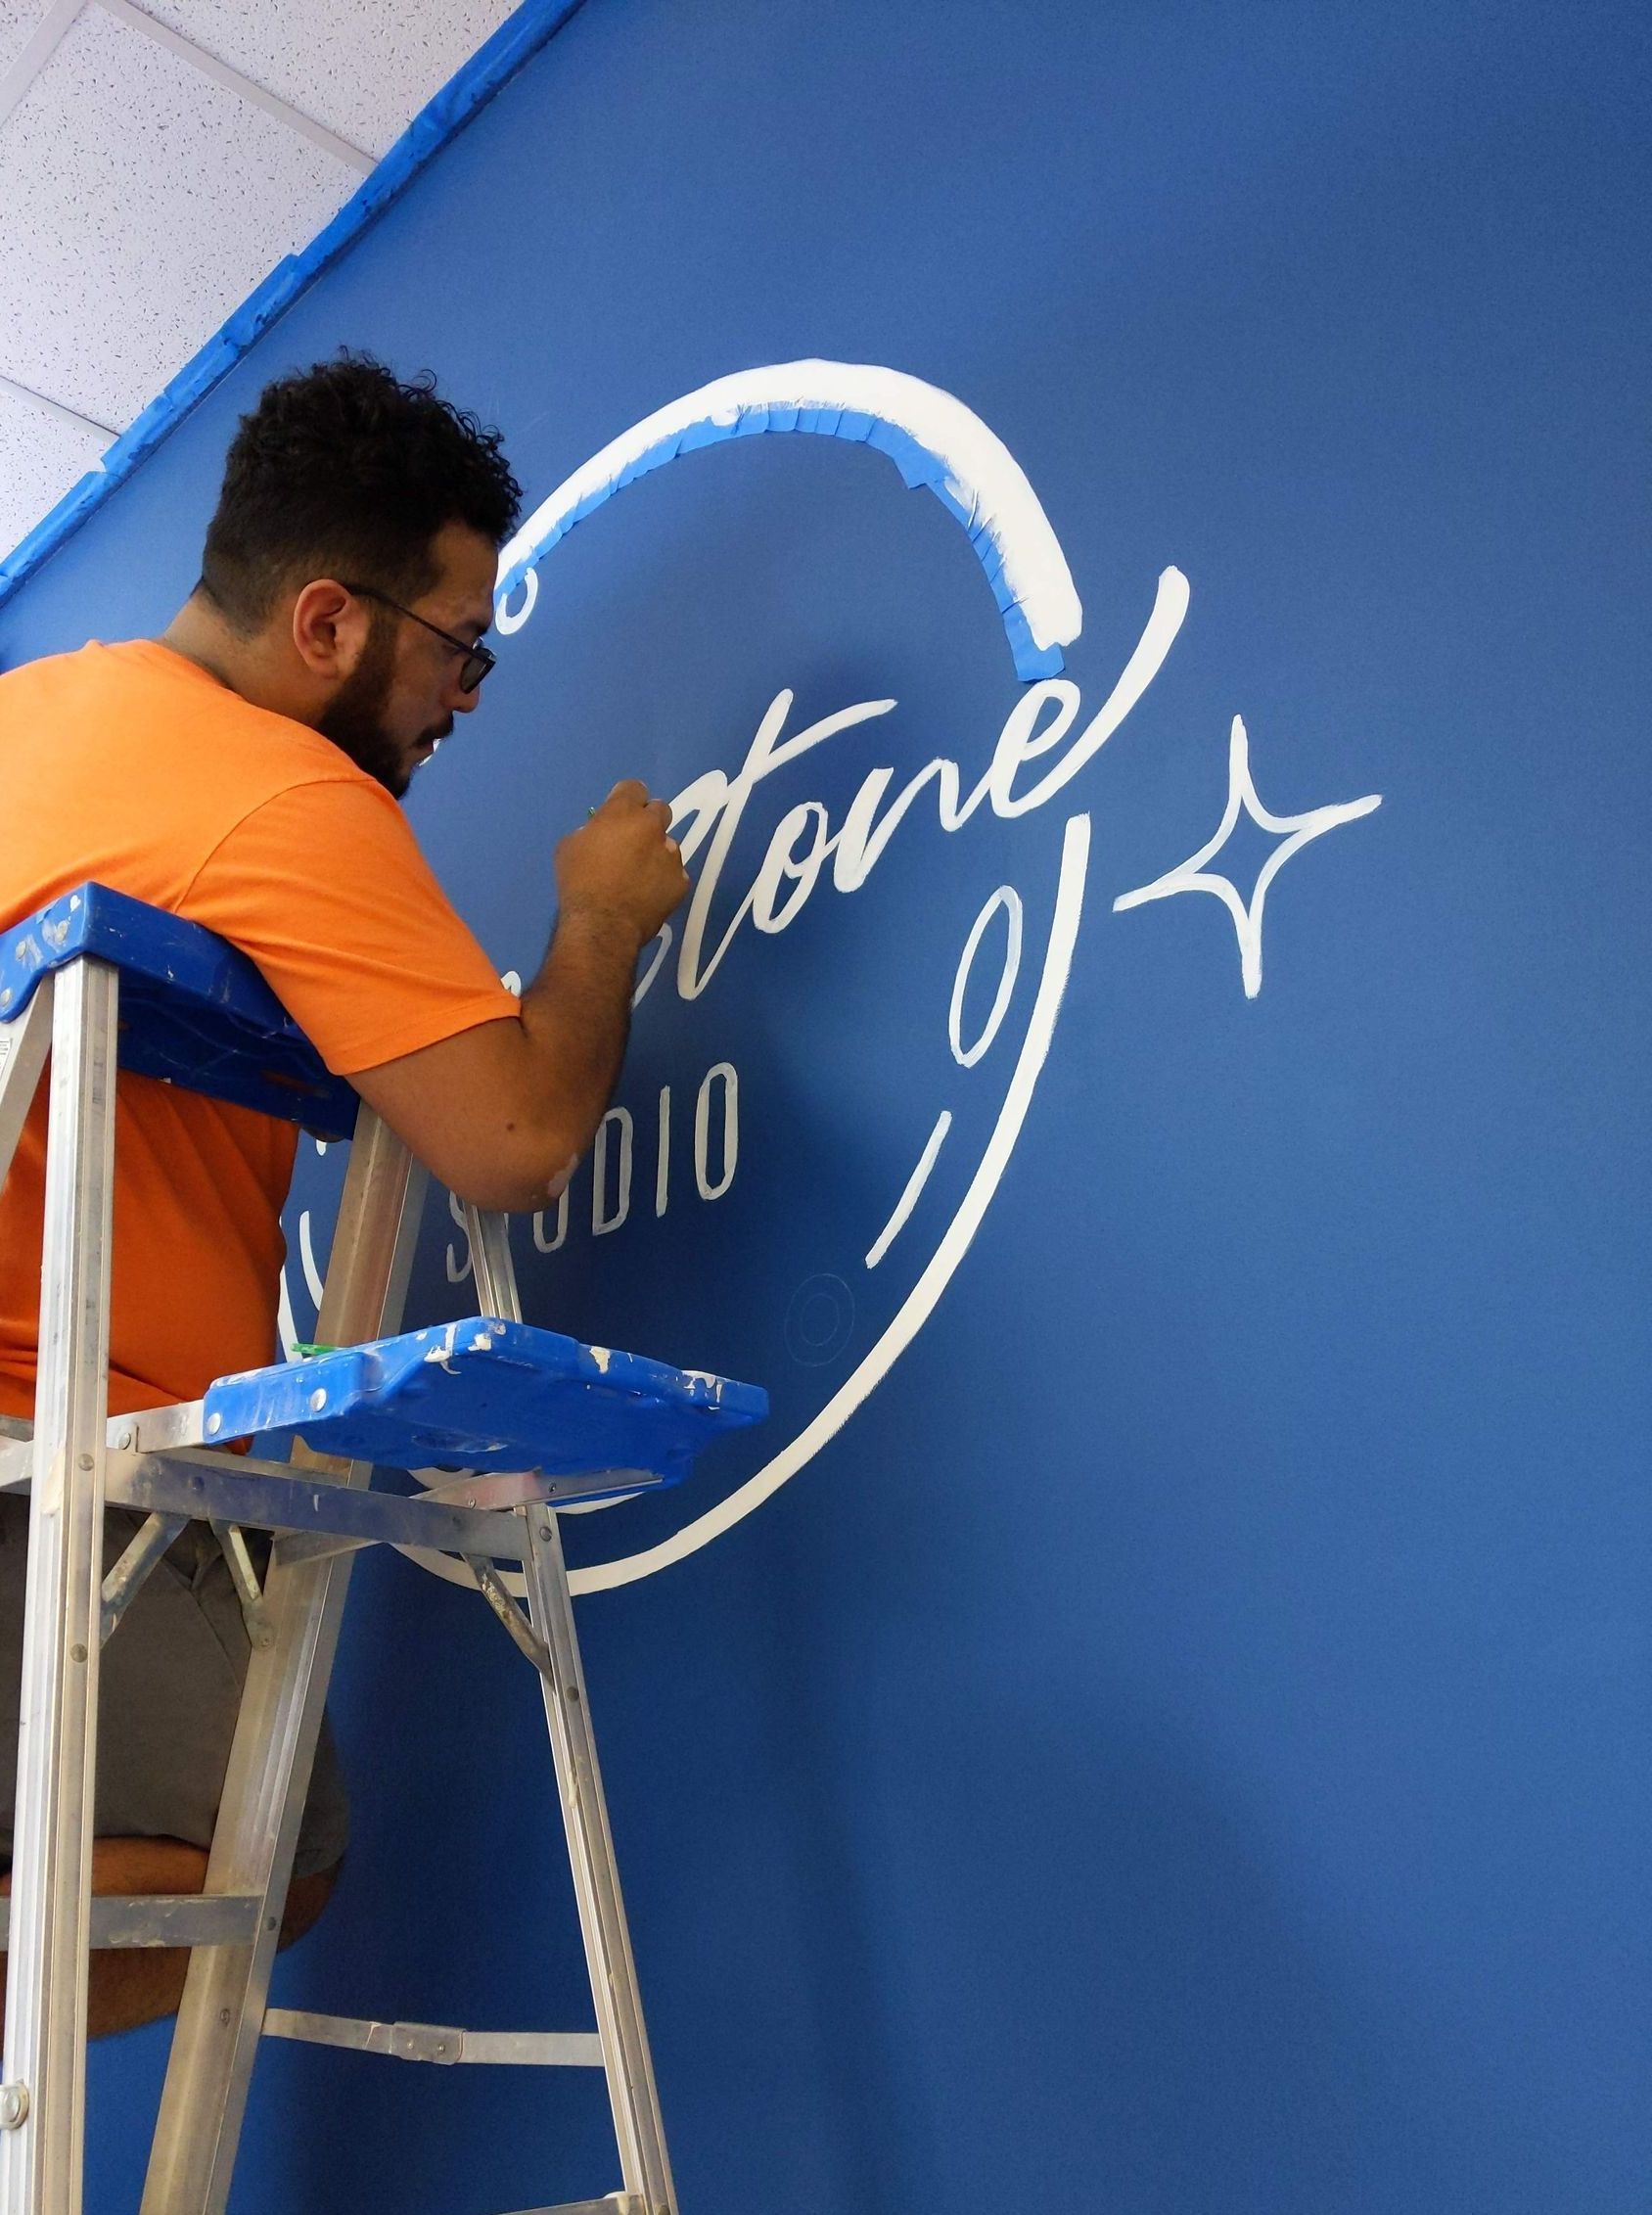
354 717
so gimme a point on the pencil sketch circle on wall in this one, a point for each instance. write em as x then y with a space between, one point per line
939 443
820 1320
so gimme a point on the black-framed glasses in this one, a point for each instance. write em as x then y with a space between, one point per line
478 659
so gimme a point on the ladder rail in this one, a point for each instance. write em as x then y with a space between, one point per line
24 1042
215 2044
42 2148
638 2124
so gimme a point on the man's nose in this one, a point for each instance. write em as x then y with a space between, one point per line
463 703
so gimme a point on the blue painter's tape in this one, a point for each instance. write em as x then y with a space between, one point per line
918 467
517 40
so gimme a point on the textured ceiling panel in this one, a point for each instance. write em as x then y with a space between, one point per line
139 204
40 457
18 18
362 68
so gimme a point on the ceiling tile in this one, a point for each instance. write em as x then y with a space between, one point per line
362 68
41 456
18 18
140 203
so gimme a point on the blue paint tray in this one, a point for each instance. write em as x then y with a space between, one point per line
484 1394
194 1012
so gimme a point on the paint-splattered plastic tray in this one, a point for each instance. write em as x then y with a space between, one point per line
194 1012
484 1394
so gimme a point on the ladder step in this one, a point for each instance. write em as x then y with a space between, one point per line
165 1919
270 1497
443 2043
616 2204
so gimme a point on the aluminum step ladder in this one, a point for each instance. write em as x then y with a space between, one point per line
528 1417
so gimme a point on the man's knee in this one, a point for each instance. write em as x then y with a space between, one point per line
307 1896
131 1986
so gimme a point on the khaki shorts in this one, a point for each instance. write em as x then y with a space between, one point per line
170 1685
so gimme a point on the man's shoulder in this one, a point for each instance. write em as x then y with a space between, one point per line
132 765
138 693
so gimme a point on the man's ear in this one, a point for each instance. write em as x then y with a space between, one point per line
330 628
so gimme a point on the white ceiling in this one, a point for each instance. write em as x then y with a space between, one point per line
156 162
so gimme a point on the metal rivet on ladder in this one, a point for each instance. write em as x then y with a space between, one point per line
124 1442
318 1398
215 1422
6 998
14 2105
86 1462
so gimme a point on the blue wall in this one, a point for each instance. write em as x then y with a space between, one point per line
1182 1745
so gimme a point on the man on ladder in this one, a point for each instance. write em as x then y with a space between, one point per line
244 771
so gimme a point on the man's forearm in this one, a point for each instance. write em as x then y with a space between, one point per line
576 1016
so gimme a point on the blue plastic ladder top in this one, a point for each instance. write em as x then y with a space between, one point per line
479 1395
194 1012
485 1394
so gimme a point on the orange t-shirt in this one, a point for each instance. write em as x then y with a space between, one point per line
131 766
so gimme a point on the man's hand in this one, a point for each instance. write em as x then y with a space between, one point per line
622 865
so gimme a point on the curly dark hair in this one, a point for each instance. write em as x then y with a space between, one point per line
343 470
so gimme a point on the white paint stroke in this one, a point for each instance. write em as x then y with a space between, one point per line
1192 875
1009 900
458 1271
663 948
915 1183
601 1221
982 474
708 813
920 1302
551 1245
663 1154
307 1254
730 1131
